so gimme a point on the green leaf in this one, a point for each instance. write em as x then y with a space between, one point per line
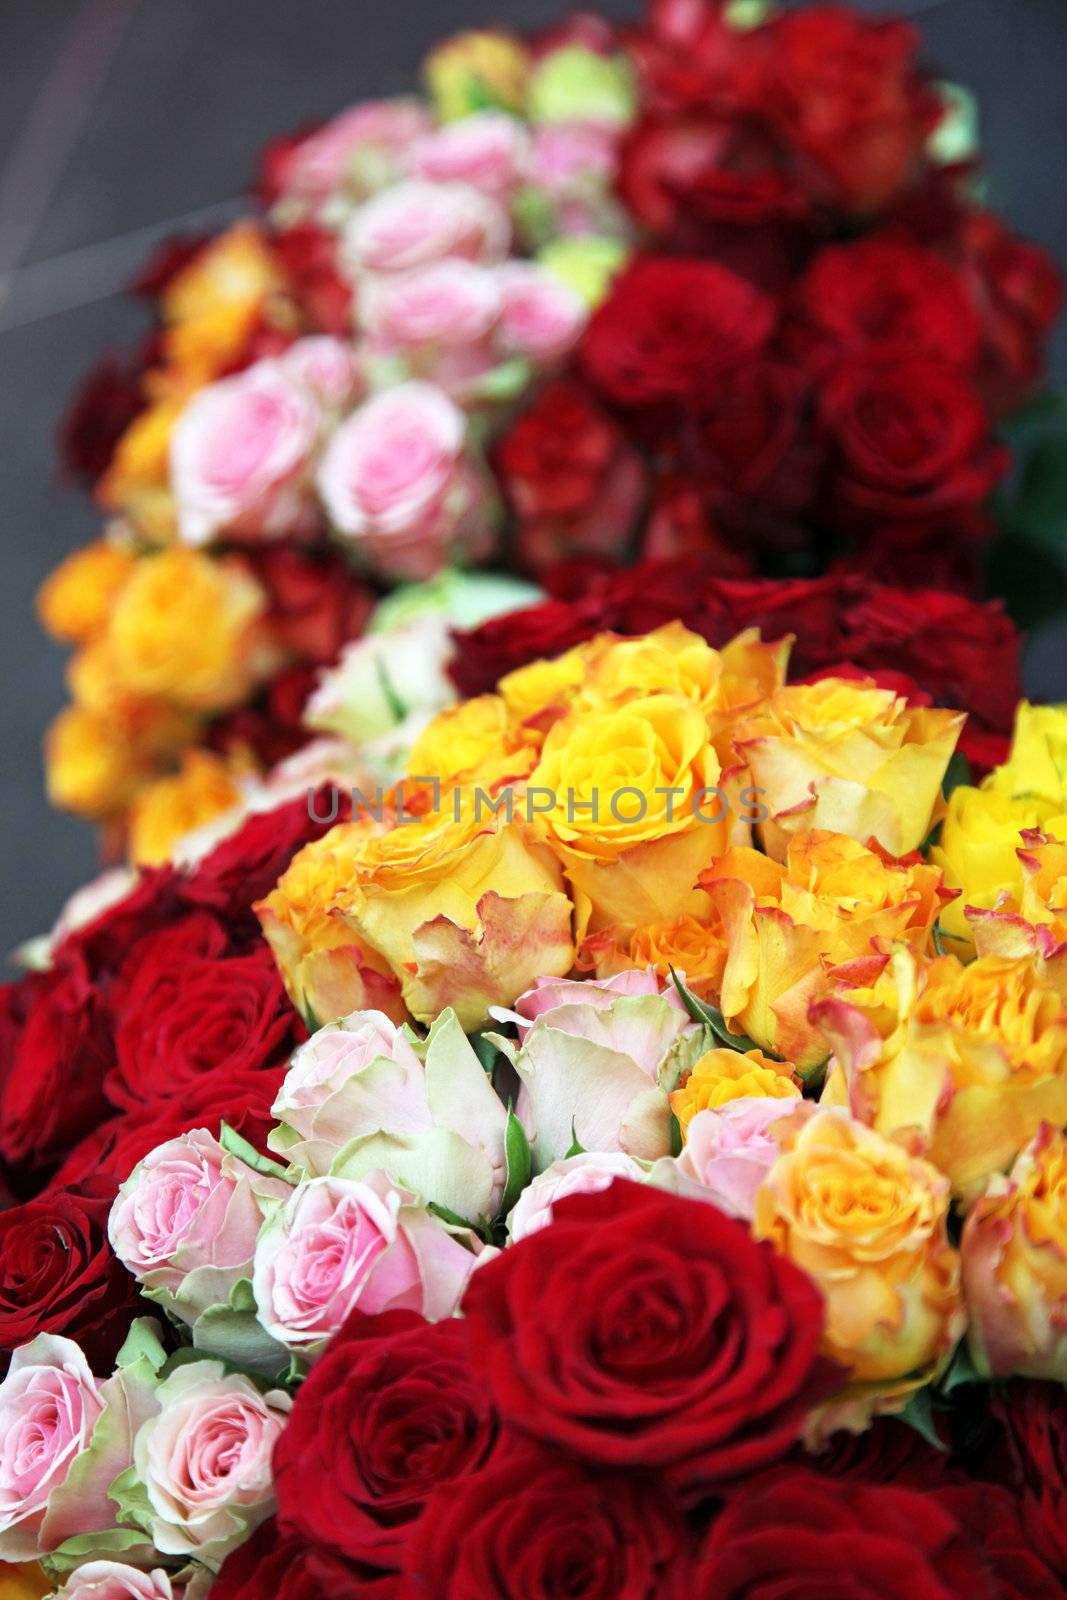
676 1136
519 1162
232 1141
1038 509
961 1370
1046 410
919 1414
577 1147
1029 579
711 1017
453 1218
957 773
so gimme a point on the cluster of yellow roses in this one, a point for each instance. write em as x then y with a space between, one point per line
804 909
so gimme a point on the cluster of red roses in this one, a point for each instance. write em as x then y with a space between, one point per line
572 1435
811 365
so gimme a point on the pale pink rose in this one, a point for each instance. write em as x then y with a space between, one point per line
587 1173
185 1224
339 1243
548 993
416 222
542 317
113 1580
730 1150
327 367
451 302
489 150
205 1460
361 150
569 158
239 455
50 1404
397 482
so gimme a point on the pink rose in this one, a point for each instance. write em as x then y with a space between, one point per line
50 1404
576 164
361 150
113 1580
542 317
327 367
204 1460
587 1173
547 993
339 1243
416 222
451 302
239 454
729 1151
488 150
396 480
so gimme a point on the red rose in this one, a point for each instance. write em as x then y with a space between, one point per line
52 1087
907 438
535 1524
308 256
888 1451
245 867
315 603
1019 291
679 527
845 92
101 410
574 485
169 258
1034 1420
188 1007
58 1274
792 1532
669 328
889 293
392 1411
269 1567
699 1359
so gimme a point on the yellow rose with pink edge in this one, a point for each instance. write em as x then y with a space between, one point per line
845 756
721 1075
960 1063
786 929
632 800
1014 1250
867 1222
977 850
694 949
327 969
1032 923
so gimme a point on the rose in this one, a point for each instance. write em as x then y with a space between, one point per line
586 1173
238 452
578 78
414 223
533 1516
907 438
203 1462
191 1007
479 68
867 1222
1020 289
390 1412
575 164
452 303
667 327
361 150
362 1097
398 482
74 599
268 1567
59 1276
336 1245
1029 924
185 1224
1033 1417
541 317
599 1070
728 1152
699 1361
308 256
547 994
327 367
113 1580
721 1075
1014 1253
963 1062
793 1531
487 150
979 852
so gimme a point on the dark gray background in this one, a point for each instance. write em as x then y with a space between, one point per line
124 120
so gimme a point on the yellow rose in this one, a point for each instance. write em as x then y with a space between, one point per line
183 629
867 1222
138 474
786 928
327 969
721 1075
24 1581
471 742
978 852
630 797
963 1063
1014 1250
1031 924
466 906
74 601
170 808
539 694
1037 763
695 950
211 305
484 67
91 765
844 755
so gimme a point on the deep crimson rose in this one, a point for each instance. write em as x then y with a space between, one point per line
187 1007
699 1359
315 604
888 1451
270 1567
390 1413
907 438
52 1087
573 483
1033 1417
101 410
169 258
534 1524
992 1519
245 867
58 1274
308 256
105 943
669 328
793 1533
884 292
679 527
845 92
1019 290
